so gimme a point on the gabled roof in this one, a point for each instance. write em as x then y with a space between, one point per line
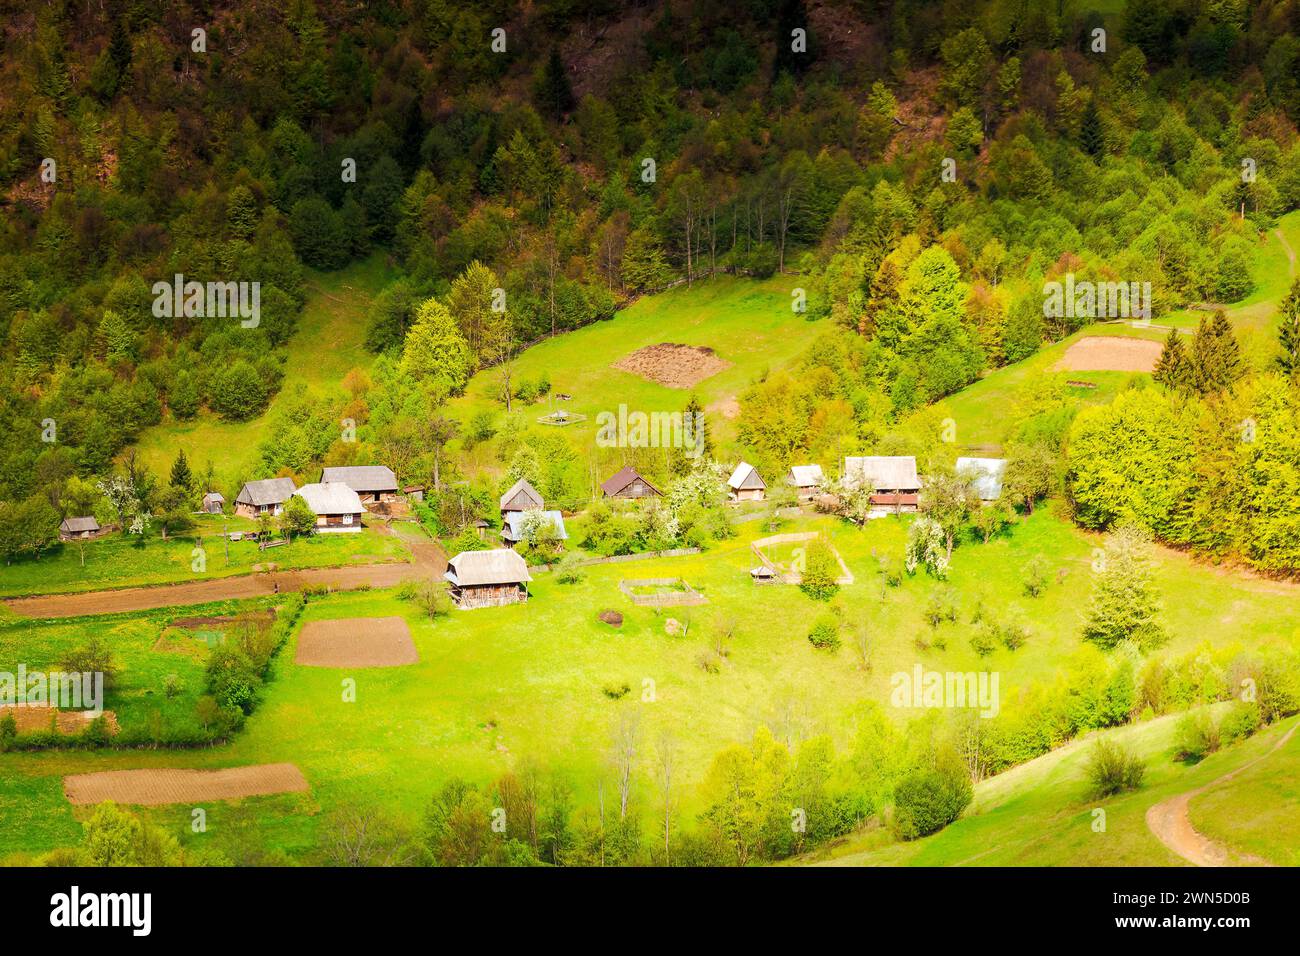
500 566
806 476
531 495
514 521
362 477
268 491
882 472
330 498
213 496
745 477
78 525
985 475
624 477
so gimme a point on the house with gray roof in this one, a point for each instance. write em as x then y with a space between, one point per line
892 480
984 475
71 529
512 533
337 507
522 496
745 484
371 482
266 496
806 480
487 578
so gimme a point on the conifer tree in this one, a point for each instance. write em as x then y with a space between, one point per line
181 476
553 92
1174 369
1288 333
1216 357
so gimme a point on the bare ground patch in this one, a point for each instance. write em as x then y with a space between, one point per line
156 787
1110 353
36 718
357 642
676 366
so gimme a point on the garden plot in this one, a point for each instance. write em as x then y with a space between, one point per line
783 554
661 592
157 787
357 642
1110 353
676 366
38 718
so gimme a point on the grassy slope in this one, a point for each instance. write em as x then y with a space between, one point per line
328 342
116 561
749 324
1041 814
498 686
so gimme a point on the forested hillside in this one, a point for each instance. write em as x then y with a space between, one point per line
923 168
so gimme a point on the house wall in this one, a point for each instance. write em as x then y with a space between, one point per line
750 494
338 522
488 595
252 511
637 489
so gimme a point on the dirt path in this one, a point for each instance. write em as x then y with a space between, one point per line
1286 247
429 562
1170 822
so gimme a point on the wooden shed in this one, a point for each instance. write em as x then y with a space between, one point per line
488 578
521 497
71 529
628 483
745 484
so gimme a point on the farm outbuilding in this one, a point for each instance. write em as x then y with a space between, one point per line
266 496
628 483
984 475
213 502
370 482
337 507
522 496
487 578
745 484
72 529
892 479
806 480
512 533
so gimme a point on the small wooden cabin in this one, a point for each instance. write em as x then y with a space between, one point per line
337 507
745 484
213 503
72 529
487 578
628 483
521 497
807 481
264 497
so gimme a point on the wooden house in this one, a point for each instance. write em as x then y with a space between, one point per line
806 480
72 529
488 578
628 483
337 507
370 482
892 479
521 497
213 503
264 497
512 534
745 484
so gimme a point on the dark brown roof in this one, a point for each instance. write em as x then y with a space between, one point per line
624 477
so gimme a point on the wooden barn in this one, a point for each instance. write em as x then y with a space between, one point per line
806 480
521 497
213 503
892 479
745 484
628 483
370 482
264 497
512 533
487 578
72 529
337 507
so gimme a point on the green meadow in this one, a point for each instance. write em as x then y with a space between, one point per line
543 683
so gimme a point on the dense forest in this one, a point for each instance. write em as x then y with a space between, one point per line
927 167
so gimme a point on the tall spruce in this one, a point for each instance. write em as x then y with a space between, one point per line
181 476
552 90
1090 134
1288 333
1174 368
1216 357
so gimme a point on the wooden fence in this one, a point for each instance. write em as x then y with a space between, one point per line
680 594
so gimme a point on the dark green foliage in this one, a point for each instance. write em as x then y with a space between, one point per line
929 798
1174 368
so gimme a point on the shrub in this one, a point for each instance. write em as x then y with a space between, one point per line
1013 635
616 690
820 572
93 657
1239 722
825 634
941 607
1112 769
927 799
1035 576
568 571
984 641
1198 735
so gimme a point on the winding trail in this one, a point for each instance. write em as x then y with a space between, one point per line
1172 825
1286 247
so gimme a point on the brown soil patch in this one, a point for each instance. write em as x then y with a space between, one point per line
677 366
154 787
612 618
35 718
728 408
218 622
357 642
1110 353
